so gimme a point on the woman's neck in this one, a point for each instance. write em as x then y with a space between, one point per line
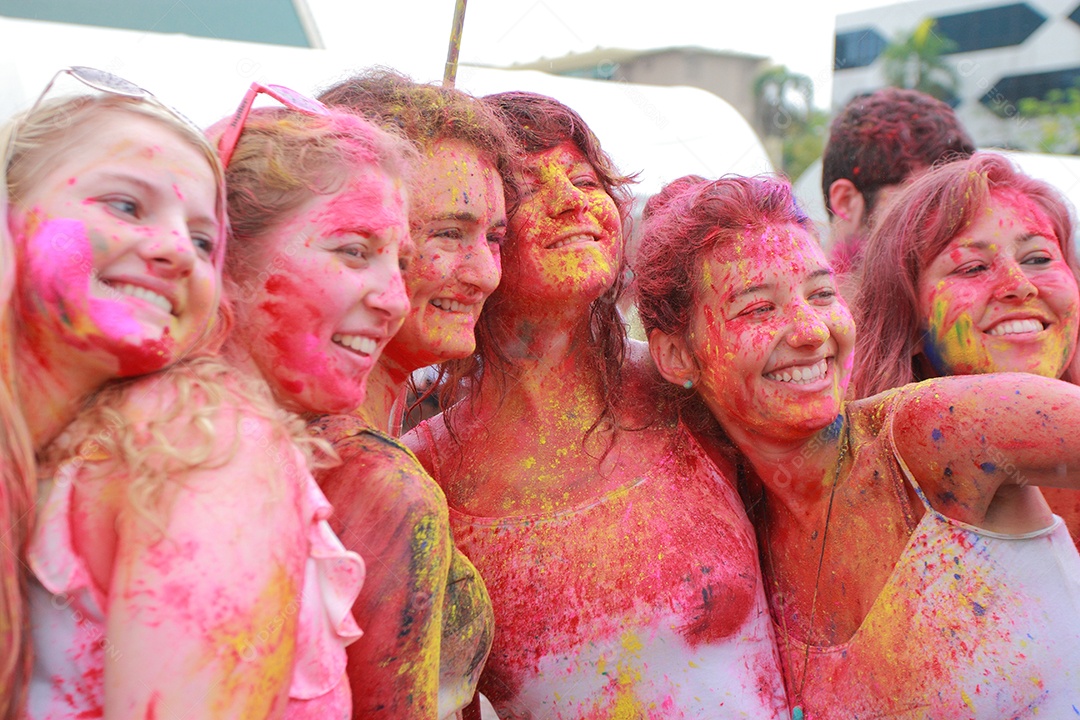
384 397
796 474
52 389
550 360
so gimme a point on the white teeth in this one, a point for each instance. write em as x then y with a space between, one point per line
801 375
357 343
1015 327
570 241
142 293
450 305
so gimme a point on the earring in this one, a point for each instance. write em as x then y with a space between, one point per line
688 384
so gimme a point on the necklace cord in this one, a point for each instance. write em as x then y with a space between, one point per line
817 578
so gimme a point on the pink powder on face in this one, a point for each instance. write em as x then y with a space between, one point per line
59 269
1032 214
360 207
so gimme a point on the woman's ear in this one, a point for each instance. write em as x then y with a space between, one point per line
673 358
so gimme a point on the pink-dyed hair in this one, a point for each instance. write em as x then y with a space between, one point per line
682 225
916 227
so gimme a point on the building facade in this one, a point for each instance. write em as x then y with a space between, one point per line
1002 52
728 75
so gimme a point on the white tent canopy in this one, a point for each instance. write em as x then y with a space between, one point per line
659 132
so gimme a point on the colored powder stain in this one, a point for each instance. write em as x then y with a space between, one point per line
936 434
833 431
979 609
628 707
967 700
265 639
948 343
988 467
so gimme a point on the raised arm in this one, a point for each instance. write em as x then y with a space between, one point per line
389 511
202 611
976 443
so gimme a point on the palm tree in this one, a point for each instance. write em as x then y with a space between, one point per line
914 61
784 100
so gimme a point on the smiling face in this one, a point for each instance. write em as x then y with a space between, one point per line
324 294
565 238
458 218
771 338
117 249
1000 297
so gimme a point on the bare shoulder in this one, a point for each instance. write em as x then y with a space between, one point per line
380 477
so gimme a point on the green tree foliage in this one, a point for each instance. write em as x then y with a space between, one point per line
803 147
1053 124
915 61
794 131
784 99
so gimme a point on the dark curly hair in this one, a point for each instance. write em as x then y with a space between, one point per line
540 123
880 138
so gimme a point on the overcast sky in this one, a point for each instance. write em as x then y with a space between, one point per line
797 33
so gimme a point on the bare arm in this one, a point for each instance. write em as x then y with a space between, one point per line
201 621
390 512
977 443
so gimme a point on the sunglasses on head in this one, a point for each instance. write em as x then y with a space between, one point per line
289 98
102 81
106 82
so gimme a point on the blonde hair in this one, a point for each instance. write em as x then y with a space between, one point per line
35 139
285 158
152 447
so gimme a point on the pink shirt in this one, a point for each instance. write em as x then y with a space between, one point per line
68 621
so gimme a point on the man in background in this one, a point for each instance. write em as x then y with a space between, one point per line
879 141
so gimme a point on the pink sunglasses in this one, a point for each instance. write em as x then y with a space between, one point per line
289 98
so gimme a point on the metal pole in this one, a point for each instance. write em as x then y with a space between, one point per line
450 73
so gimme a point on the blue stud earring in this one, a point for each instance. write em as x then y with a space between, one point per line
688 384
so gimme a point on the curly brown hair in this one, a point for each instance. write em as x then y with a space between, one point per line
540 123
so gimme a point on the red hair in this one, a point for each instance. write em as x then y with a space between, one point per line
881 138
916 227
685 223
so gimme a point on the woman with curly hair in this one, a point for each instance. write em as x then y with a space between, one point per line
621 566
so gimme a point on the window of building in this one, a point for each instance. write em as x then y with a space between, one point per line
994 27
857 48
1075 15
1008 91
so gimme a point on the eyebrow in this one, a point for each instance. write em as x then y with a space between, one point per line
465 216
138 182
984 245
821 272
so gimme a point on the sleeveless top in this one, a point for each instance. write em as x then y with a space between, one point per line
68 618
468 623
970 624
646 602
